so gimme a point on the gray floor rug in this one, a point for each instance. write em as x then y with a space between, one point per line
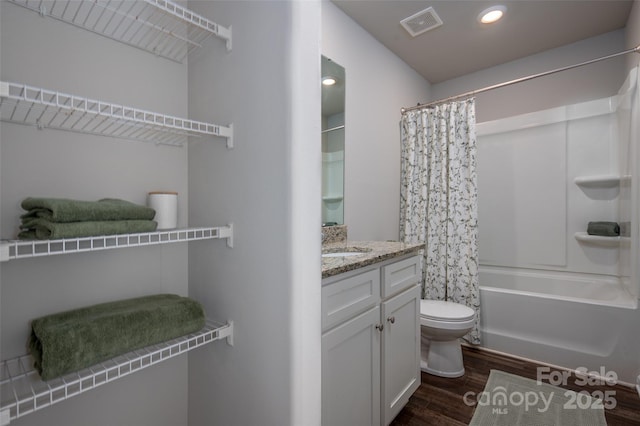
512 400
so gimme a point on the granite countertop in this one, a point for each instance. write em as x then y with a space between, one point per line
376 251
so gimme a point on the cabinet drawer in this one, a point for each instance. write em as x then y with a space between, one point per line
400 275
346 298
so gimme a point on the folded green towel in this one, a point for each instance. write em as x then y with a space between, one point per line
73 340
66 210
42 229
605 229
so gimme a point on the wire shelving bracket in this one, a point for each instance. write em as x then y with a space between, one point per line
227 232
18 249
34 106
160 27
23 392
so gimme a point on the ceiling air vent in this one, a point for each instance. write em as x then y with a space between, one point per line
421 22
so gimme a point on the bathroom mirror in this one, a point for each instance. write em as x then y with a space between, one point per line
333 91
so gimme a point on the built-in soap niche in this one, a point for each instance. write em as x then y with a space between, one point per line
601 187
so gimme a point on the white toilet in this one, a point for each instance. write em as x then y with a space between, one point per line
442 324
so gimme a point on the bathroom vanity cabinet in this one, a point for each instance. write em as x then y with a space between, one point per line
370 342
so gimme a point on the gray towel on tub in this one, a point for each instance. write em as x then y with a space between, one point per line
605 229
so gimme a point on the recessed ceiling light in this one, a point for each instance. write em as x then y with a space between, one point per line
328 81
492 14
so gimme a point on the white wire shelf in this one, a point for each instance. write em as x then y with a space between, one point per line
23 392
43 108
160 27
18 249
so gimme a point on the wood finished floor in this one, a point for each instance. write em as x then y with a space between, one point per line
439 401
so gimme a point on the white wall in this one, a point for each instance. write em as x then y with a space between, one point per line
47 53
632 34
565 88
378 85
269 187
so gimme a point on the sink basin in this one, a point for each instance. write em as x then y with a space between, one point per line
344 251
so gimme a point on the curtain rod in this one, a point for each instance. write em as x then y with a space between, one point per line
518 80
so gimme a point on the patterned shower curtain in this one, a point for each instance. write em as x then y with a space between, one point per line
438 200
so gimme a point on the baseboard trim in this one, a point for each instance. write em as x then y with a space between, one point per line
553 366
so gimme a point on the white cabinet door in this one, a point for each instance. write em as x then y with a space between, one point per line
351 372
400 275
345 298
401 351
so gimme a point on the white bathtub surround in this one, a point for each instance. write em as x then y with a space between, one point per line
568 319
549 291
543 176
628 121
438 200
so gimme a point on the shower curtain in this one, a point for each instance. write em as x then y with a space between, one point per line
438 200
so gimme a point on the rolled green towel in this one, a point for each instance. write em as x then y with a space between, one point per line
73 340
42 229
66 210
605 229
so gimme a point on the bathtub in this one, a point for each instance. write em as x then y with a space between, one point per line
538 315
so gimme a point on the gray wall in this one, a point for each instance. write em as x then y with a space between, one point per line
46 53
632 34
378 85
269 187
565 88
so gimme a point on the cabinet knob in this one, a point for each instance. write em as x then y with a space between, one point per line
379 327
392 320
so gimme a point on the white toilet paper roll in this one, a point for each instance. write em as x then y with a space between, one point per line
166 206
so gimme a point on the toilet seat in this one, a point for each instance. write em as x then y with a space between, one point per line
440 310
442 324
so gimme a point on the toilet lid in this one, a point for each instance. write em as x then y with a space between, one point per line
446 311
